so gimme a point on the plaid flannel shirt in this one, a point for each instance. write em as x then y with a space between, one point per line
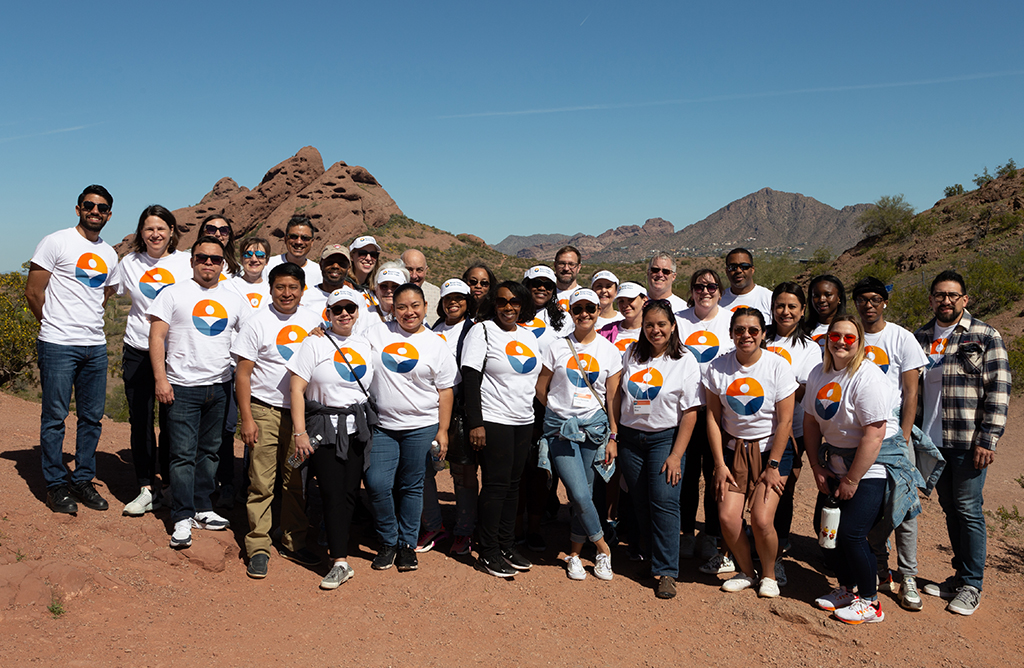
975 384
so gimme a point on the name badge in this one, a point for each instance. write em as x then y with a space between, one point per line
582 399
642 407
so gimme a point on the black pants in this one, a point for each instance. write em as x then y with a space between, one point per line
784 513
502 462
699 460
140 391
338 481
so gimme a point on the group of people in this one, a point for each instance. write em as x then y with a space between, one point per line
624 393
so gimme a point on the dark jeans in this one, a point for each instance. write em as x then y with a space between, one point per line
398 464
699 460
852 559
226 452
784 513
502 462
338 481
140 391
960 495
61 370
194 422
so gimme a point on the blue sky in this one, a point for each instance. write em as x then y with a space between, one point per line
492 118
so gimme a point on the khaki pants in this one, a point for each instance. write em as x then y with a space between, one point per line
274 445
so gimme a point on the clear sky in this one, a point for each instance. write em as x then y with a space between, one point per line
492 118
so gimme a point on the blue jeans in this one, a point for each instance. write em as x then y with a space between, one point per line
194 422
852 560
574 463
394 478
61 369
960 495
656 501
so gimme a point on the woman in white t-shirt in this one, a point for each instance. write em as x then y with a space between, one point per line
828 299
579 385
630 300
606 285
414 373
750 419
250 284
660 381
849 410
153 264
391 275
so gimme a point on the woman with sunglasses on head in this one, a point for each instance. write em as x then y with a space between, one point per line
660 381
220 227
828 300
153 264
750 396
579 385
480 279
250 284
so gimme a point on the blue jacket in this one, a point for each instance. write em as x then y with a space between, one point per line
593 429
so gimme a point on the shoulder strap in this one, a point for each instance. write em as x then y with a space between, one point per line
347 363
583 372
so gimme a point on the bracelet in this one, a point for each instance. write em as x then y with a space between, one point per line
613 437
850 482
296 435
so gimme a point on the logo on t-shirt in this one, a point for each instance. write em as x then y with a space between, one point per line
563 304
91 270
937 352
820 339
622 344
878 356
355 359
255 299
703 345
826 404
745 396
155 280
289 339
537 326
645 384
520 357
209 317
782 352
400 357
590 367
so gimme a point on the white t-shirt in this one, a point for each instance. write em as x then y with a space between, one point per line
544 334
568 394
760 298
602 321
201 322
330 382
311 270
706 339
818 335
255 294
450 334
802 358
270 338
678 303
510 376
894 350
410 369
655 394
843 405
624 338
73 303
568 326
748 394
564 295
144 277
932 386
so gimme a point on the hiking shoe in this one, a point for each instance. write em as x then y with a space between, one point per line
140 505
181 537
462 545
966 601
946 590
708 548
497 566
838 598
535 542
666 587
603 567
59 500
340 574
780 573
574 568
385 559
861 611
910 599
406 559
428 539
226 498
257 568
211 521
516 560
687 546
720 563
769 588
738 582
303 556
87 494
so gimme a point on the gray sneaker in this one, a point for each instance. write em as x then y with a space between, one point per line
340 573
967 600
910 599
946 590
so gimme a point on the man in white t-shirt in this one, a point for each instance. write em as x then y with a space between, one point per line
568 263
298 240
189 346
334 265
661 273
64 290
742 291
416 264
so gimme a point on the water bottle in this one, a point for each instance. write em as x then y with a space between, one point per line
829 524
296 460
435 456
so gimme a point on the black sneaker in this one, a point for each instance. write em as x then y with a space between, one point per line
87 494
406 560
496 566
59 500
305 556
516 560
385 559
257 568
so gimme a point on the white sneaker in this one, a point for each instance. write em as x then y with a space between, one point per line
575 568
144 503
861 611
780 573
603 567
182 535
211 521
720 563
738 582
769 588
838 598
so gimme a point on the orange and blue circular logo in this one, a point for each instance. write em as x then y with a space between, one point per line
520 357
782 352
622 344
355 359
209 317
563 304
703 345
400 357
536 326
645 384
575 373
936 352
91 270
878 356
820 339
826 404
289 339
255 299
155 280
745 396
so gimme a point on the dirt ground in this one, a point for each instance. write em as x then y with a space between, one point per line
99 589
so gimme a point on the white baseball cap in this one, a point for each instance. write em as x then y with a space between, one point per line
363 242
540 271
631 290
345 294
584 295
454 286
606 275
391 275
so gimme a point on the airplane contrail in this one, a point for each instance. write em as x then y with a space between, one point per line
4 140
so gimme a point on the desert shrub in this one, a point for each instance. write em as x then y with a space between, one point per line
1006 221
18 329
954 190
993 283
820 262
908 306
771 271
881 267
891 215
1015 351
983 178
116 407
1009 169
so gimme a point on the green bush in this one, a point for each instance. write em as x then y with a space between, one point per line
953 190
18 329
770 271
1009 169
993 283
983 178
880 267
116 407
1015 351
892 215
908 306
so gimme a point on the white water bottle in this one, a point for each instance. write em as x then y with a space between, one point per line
435 456
829 524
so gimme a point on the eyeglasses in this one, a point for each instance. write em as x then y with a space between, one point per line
88 205
501 302
705 287
338 309
473 282
250 254
580 308
740 331
214 230
943 296
203 258
848 339
567 265
654 271
864 301
360 252
296 237
742 266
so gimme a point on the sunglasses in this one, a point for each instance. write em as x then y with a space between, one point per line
213 230
740 331
88 206
705 287
580 308
338 309
296 237
250 254
848 339
473 282
543 285
203 258
360 253
660 270
501 302
742 266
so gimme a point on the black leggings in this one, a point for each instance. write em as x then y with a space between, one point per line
140 391
339 488
699 460
502 462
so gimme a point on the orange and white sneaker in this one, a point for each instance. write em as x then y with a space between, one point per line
861 611
840 597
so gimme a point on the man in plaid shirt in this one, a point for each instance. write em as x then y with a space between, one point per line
966 392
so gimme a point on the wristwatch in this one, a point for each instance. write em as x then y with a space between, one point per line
773 464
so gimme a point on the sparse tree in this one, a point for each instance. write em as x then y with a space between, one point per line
983 178
892 214
953 190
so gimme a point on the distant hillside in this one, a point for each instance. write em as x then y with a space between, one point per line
513 243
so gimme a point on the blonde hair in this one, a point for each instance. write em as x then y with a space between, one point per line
858 356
